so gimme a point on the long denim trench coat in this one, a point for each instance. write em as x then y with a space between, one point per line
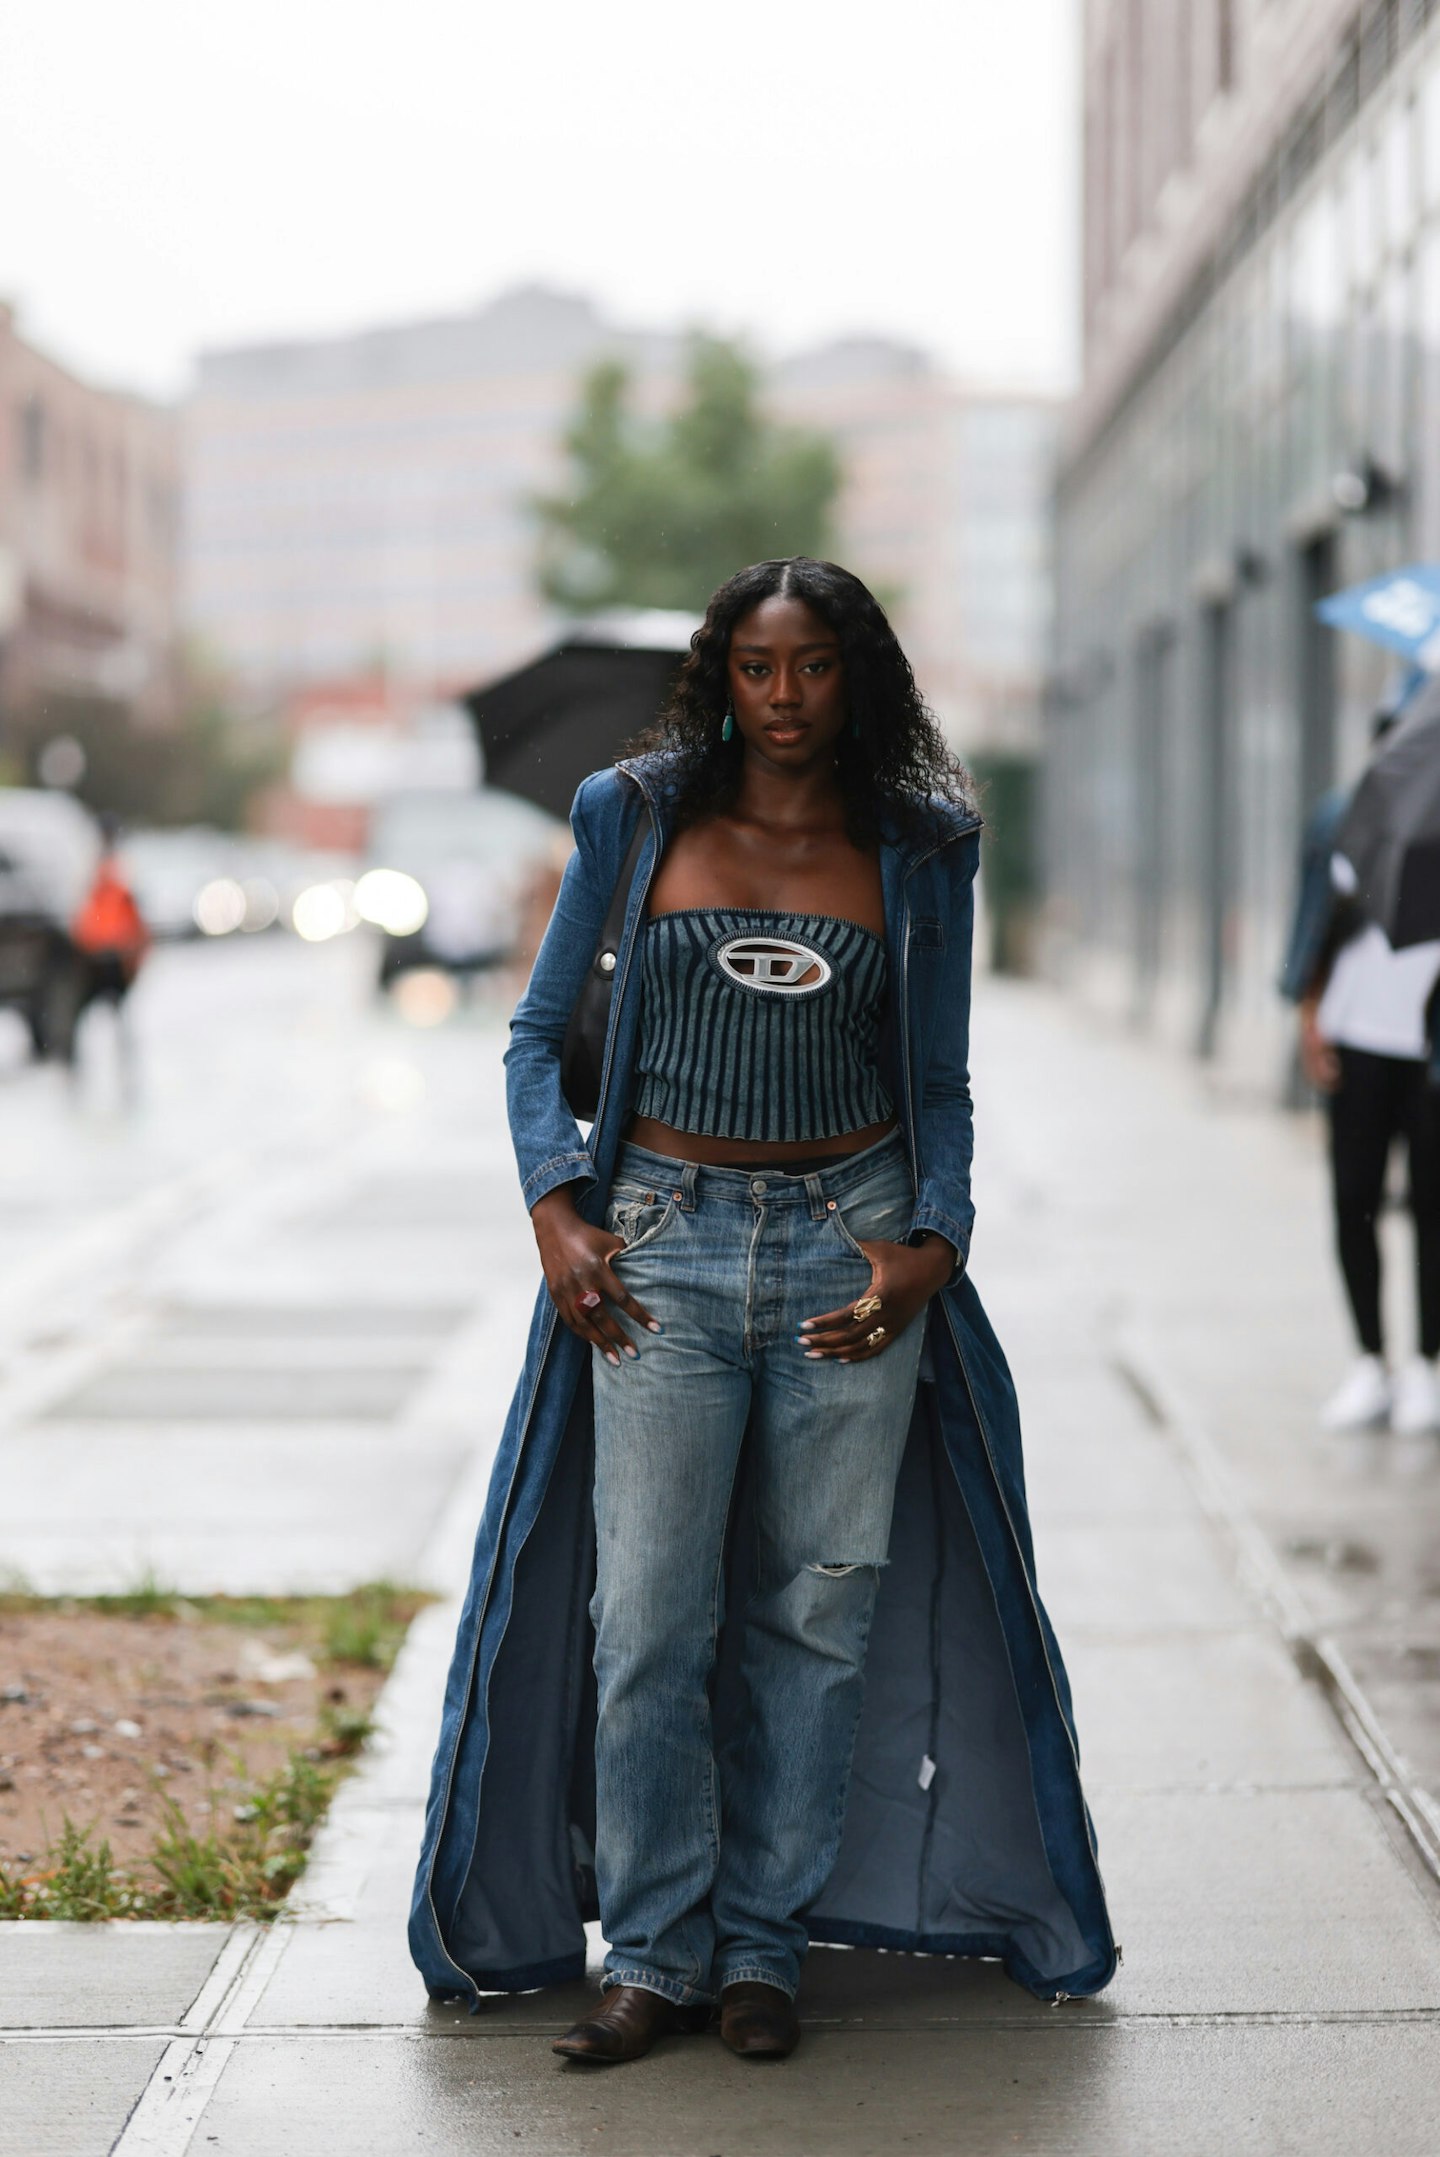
966 1831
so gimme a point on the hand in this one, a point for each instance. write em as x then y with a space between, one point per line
1318 1059
578 1274
903 1276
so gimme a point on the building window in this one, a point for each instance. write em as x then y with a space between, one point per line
1398 168
1225 44
32 439
1430 135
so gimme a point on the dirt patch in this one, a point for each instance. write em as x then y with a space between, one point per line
129 1722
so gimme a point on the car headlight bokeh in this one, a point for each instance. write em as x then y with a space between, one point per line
262 904
220 906
392 901
324 910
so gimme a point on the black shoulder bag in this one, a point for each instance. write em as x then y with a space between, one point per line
582 1056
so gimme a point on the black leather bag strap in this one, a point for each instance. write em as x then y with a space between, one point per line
607 951
582 1056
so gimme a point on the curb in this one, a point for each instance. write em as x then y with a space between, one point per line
1316 1656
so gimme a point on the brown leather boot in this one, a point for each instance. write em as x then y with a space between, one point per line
626 2024
758 2022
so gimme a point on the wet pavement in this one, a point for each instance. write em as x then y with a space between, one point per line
292 1373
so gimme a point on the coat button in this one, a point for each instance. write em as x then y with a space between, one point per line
607 962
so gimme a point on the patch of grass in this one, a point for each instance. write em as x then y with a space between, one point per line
246 1859
149 1598
344 1730
364 1626
244 1868
78 1880
368 1626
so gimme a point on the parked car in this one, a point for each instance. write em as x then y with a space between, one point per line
49 847
446 877
168 870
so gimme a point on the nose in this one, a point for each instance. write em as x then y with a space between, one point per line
784 689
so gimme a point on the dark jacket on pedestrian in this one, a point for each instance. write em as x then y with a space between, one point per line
1312 930
966 1830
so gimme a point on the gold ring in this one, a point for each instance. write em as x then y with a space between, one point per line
873 1340
866 1307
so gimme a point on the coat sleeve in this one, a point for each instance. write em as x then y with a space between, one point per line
945 1126
549 1147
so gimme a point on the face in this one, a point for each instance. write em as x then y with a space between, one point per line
787 685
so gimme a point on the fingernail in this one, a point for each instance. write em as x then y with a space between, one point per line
806 1325
632 1351
611 1357
653 1325
813 1355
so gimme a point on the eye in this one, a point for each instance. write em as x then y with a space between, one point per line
753 667
817 666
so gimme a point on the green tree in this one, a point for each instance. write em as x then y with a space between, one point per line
657 516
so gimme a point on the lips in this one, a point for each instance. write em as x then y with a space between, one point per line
783 730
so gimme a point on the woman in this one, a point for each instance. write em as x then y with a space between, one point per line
759 1370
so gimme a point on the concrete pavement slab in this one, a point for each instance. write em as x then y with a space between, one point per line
227 1509
1271 1901
338 1976
71 2100
214 1559
145 1389
311 1323
1054 2090
1200 1710
1139 1574
69 1976
1090 1450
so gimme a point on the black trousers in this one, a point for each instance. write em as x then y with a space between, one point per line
1380 1099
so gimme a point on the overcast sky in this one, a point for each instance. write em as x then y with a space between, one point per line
183 173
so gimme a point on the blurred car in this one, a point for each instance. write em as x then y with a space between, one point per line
168 870
49 847
446 876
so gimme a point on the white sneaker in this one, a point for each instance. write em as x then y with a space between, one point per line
1362 1398
1415 1398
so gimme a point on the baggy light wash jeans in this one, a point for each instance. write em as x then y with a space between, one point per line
705 1867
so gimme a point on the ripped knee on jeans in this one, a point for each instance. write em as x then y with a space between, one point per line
835 1572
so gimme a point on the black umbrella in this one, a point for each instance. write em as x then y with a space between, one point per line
1391 832
571 711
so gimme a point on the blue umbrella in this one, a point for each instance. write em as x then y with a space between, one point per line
1401 611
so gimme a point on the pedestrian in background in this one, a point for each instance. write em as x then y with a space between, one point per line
110 937
764 1433
1365 1045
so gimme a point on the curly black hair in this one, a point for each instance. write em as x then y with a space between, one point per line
892 756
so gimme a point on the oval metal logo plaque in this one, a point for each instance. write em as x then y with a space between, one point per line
778 965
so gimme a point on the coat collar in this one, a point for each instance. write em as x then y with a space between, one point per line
651 772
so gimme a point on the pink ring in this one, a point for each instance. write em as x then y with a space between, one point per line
590 1301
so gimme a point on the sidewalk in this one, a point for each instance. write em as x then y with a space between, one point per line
1158 1269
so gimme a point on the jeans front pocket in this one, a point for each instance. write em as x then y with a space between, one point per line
879 1211
637 1216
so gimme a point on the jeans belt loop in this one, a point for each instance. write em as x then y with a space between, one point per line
688 1175
815 1192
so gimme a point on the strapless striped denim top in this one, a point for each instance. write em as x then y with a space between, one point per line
760 1025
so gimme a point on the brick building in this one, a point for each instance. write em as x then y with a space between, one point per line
89 489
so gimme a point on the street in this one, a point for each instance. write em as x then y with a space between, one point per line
259 1328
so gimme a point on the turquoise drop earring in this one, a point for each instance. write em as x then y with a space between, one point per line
727 729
